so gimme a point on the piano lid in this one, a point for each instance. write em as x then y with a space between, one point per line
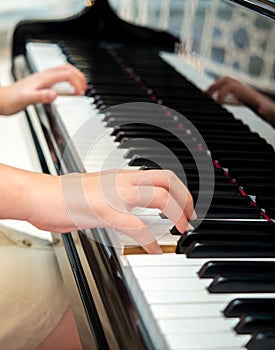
217 37
265 7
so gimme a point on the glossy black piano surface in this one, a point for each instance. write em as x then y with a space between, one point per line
122 64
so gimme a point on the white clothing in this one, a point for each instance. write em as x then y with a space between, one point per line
32 295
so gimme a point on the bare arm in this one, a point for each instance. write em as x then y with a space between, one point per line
263 105
37 88
79 201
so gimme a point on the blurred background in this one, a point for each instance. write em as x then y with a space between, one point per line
12 11
244 47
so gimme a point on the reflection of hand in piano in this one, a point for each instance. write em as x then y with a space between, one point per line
245 94
41 87
92 200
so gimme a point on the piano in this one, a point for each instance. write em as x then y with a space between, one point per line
145 107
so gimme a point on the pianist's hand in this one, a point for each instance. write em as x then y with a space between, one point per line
37 88
260 103
79 201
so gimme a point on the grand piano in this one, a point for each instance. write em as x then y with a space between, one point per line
145 107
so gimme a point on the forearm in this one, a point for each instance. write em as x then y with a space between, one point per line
3 100
30 196
15 193
82 201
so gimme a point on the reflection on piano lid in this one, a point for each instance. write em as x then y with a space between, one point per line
211 290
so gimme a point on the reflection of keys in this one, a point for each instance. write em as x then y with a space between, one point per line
203 81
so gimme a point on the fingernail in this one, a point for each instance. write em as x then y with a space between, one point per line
190 227
194 215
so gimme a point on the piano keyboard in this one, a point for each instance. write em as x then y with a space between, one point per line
180 309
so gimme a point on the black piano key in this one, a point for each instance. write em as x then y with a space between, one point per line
162 136
252 179
111 90
212 117
179 92
226 212
119 122
250 306
140 127
262 341
178 105
238 146
170 158
171 161
270 211
250 162
225 186
252 184
251 324
205 249
112 101
222 195
237 202
175 232
260 188
152 151
234 226
227 238
267 201
168 142
242 284
241 172
236 268
224 154
241 136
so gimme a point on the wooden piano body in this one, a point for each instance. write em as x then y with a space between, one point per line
97 275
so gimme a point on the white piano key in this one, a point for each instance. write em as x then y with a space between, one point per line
44 55
210 341
164 272
190 310
157 302
197 326
187 283
88 134
177 259
179 296
140 273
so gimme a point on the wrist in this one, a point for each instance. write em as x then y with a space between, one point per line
48 210
4 100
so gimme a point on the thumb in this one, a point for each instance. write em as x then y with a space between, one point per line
135 228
